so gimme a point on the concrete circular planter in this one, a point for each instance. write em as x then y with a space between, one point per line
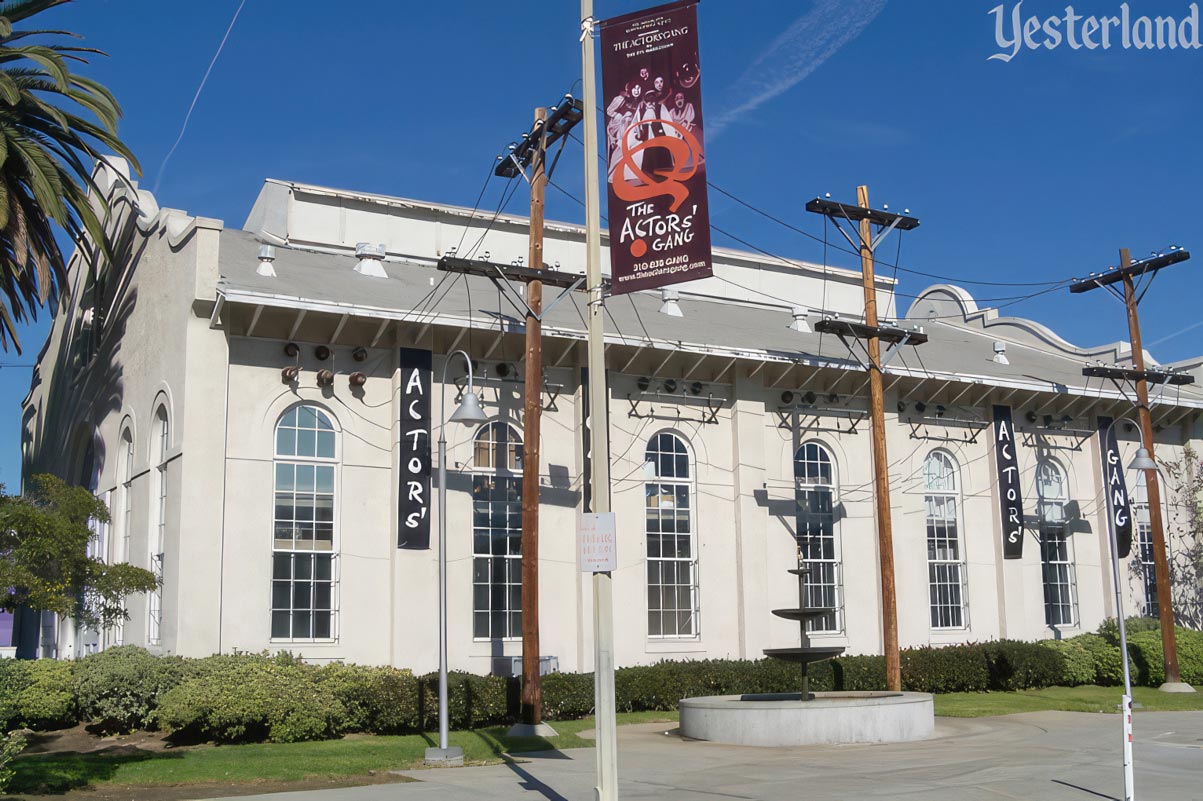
783 719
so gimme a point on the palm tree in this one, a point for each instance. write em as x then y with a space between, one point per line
47 152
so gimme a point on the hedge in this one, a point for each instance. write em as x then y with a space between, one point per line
253 697
37 694
119 689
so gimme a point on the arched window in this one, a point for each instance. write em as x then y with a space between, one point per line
945 553
497 533
672 564
126 459
1144 546
304 574
816 534
1056 548
158 538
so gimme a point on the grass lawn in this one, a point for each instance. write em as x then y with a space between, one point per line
1068 699
355 755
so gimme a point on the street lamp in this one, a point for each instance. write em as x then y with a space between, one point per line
468 413
1126 712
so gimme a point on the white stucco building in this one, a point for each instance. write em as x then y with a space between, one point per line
270 506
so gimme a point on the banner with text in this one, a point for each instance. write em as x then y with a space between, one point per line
1116 489
413 499
656 167
1010 494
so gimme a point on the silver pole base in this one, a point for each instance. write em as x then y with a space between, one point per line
452 757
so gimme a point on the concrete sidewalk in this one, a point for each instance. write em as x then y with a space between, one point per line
1037 755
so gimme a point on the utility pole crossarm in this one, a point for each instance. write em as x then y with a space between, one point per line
1153 376
1114 275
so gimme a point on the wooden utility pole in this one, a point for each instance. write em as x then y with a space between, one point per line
1161 565
865 241
1139 375
532 691
881 464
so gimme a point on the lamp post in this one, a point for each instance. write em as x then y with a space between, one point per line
1126 712
468 413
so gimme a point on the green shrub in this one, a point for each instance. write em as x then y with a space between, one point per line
1190 655
1109 629
953 668
859 673
1146 658
377 700
472 701
567 696
37 694
1107 660
251 699
120 688
1017 665
1077 663
11 744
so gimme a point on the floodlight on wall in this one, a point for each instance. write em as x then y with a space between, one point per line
671 304
695 388
810 398
289 374
670 385
371 258
325 378
644 383
1142 461
267 254
901 406
291 350
357 379
321 353
1000 352
359 354
800 323
920 407
940 410
1031 416
787 398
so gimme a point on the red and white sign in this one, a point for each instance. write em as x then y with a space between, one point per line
597 542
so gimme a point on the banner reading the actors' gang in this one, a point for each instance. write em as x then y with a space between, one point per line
656 170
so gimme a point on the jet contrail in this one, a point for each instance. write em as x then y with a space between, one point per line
796 53
196 97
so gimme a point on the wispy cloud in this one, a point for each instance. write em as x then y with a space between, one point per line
796 53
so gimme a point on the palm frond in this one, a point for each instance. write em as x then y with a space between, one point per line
54 125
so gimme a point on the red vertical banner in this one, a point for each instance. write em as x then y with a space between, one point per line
656 166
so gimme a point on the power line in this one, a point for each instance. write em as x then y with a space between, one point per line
897 267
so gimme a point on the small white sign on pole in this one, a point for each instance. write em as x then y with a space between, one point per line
597 542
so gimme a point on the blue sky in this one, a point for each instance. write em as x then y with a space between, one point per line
1028 171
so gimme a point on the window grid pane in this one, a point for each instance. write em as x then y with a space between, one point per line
945 563
497 533
1144 548
815 534
304 586
1056 549
672 587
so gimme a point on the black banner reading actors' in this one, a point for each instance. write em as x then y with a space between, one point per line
413 501
1115 488
656 170
1009 493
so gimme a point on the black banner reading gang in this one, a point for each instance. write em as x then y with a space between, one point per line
1010 496
656 170
413 503
1118 503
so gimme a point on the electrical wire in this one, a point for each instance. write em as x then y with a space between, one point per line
897 267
